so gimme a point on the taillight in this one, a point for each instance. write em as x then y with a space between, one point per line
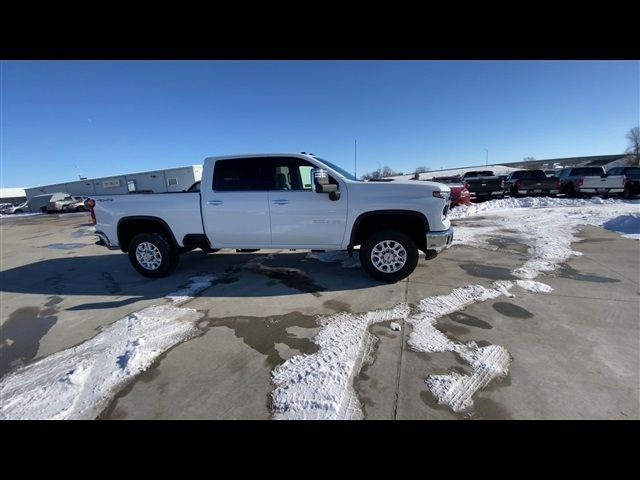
558 183
580 182
502 184
466 185
518 184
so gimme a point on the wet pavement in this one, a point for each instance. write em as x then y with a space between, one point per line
575 350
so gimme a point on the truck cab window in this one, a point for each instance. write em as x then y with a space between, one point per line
243 174
292 174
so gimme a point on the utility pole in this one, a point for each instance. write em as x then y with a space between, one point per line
486 163
355 157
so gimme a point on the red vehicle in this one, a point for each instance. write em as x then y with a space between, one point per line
459 189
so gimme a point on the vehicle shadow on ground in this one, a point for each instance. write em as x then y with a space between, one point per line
236 275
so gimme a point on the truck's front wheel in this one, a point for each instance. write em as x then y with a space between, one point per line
389 255
152 255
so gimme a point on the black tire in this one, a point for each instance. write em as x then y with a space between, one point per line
627 194
513 192
570 191
393 236
168 256
18 211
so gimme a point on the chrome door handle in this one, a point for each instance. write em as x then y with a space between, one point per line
280 202
215 202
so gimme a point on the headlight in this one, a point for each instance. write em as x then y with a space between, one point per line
441 194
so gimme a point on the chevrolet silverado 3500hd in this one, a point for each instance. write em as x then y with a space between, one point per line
292 201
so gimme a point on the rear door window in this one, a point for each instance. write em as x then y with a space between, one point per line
243 174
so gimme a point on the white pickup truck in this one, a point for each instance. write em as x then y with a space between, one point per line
578 181
292 201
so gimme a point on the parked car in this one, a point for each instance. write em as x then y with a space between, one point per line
459 192
577 181
20 208
75 205
632 183
530 182
41 203
286 201
483 184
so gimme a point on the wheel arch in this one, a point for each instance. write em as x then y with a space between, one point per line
129 227
410 222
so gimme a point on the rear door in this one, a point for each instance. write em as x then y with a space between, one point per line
299 216
235 206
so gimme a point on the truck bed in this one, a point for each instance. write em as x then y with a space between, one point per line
179 210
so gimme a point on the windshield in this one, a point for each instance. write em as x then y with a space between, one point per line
341 171
447 180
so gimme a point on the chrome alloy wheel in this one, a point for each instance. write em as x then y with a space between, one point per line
388 256
148 256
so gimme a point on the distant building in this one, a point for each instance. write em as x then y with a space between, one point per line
157 181
12 195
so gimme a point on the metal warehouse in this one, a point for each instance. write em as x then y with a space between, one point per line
157 181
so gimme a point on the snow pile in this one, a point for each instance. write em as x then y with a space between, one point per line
454 389
628 225
78 383
462 211
535 287
548 231
337 256
395 326
320 386
193 287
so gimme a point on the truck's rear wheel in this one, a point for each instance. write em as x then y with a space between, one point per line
152 255
389 255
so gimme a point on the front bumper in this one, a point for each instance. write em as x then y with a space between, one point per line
438 241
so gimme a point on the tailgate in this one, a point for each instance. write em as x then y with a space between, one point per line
603 182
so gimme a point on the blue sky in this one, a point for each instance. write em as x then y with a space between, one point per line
62 119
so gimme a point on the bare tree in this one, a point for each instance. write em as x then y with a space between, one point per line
634 143
528 159
380 173
422 170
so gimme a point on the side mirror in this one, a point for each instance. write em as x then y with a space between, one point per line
321 183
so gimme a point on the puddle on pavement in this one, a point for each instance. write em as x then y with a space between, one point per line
510 310
264 333
487 409
484 271
565 271
363 383
470 320
337 306
290 277
508 244
20 335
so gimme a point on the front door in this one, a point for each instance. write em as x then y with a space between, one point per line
299 216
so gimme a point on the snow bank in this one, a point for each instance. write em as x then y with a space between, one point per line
628 225
78 383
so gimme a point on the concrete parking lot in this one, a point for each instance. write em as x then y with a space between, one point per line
575 351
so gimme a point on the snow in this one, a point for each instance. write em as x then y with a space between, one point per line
534 287
193 287
395 326
78 383
320 386
65 246
628 225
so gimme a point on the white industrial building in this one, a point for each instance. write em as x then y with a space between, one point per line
12 195
157 181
